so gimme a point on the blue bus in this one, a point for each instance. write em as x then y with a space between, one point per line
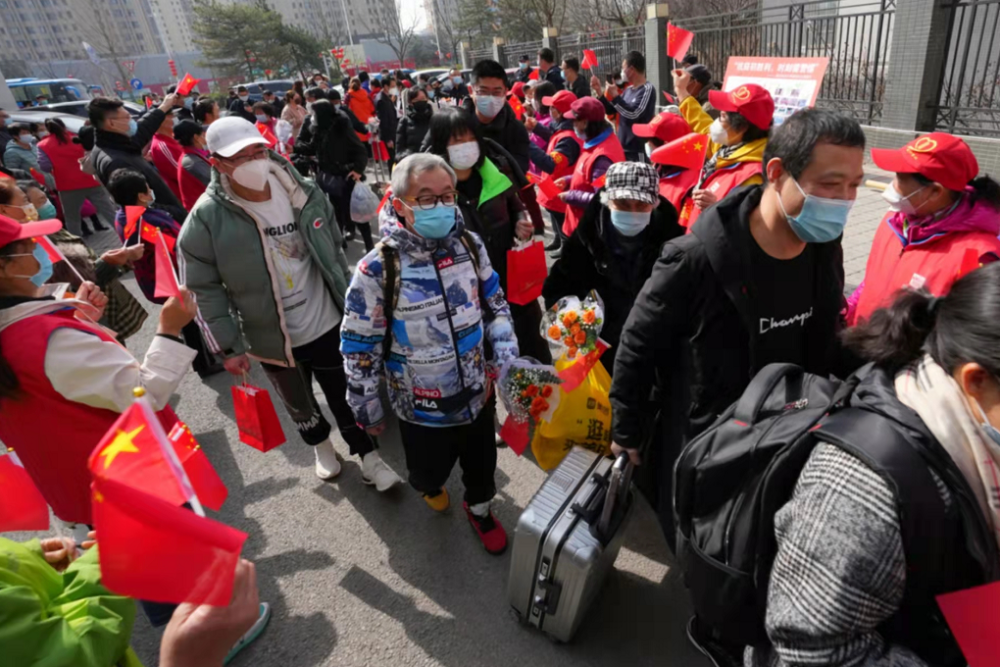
55 90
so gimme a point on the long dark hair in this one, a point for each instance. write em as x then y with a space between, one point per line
543 90
450 123
57 128
957 328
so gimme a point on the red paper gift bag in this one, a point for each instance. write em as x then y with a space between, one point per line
526 273
256 419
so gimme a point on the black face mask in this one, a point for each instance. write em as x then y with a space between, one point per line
421 108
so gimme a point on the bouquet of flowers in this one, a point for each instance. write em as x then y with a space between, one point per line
529 391
573 327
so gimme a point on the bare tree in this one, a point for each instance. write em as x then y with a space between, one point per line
98 27
397 33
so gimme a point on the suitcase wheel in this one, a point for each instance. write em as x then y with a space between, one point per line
516 615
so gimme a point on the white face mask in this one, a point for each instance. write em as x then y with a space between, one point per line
309 107
624 76
898 202
253 174
244 97
718 133
464 155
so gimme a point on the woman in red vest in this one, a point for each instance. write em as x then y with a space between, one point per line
665 129
61 150
63 379
601 149
738 138
942 222
559 158
193 171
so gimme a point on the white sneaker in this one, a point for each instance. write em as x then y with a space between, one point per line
375 471
327 463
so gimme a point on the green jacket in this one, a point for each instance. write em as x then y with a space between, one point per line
223 261
60 619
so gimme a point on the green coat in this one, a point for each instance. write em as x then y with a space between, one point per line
60 619
223 261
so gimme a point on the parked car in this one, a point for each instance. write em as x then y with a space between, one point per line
277 86
39 115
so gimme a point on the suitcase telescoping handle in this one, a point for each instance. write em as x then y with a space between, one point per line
621 477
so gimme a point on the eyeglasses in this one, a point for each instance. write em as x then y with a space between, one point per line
258 155
490 92
427 202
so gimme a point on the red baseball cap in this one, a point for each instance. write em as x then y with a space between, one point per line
943 158
587 108
11 230
749 100
518 89
666 127
563 100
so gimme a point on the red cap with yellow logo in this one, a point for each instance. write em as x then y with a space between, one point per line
943 158
750 101
666 127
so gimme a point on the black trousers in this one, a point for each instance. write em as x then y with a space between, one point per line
341 201
557 219
530 201
320 358
431 453
193 338
527 328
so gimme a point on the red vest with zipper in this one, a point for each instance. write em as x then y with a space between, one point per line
583 179
933 264
676 187
563 168
191 187
52 435
65 160
720 183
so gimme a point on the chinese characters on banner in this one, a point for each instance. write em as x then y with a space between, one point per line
794 83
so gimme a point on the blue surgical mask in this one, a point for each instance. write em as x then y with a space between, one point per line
44 265
821 220
490 106
430 94
562 75
261 118
991 431
456 80
524 65
435 223
188 103
630 223
47 211
133 127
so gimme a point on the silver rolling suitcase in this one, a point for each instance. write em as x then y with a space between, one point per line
567 540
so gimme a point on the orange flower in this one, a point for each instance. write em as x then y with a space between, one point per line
569 318
575 329
554 332
590 317
539 404
568 341
544 405
532 390
547 391
571 354
580 337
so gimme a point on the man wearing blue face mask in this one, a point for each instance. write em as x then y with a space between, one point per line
759 280
119 140
418 312
615 246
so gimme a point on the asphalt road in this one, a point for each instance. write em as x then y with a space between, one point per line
355 577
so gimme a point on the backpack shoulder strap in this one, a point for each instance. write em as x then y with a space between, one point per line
470 247
390 292
923 516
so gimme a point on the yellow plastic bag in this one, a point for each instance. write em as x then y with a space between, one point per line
582 419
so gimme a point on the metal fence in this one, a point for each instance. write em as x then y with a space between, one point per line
610 47
510 53
475 55
854 34
969 101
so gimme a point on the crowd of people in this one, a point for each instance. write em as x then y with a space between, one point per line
709 269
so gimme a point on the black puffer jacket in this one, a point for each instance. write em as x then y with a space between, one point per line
337 151
412 129
597 257
690 338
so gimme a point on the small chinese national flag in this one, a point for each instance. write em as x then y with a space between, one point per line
150 233
678 41
23 507
149 102
589 59
154 550
549 188
132 216
533 76
670 98
599 183
55 255
186 85
166 279
515 104
205 481
688 152
131 453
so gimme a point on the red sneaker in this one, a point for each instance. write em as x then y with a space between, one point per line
489 530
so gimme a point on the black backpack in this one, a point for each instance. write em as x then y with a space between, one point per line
731 480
